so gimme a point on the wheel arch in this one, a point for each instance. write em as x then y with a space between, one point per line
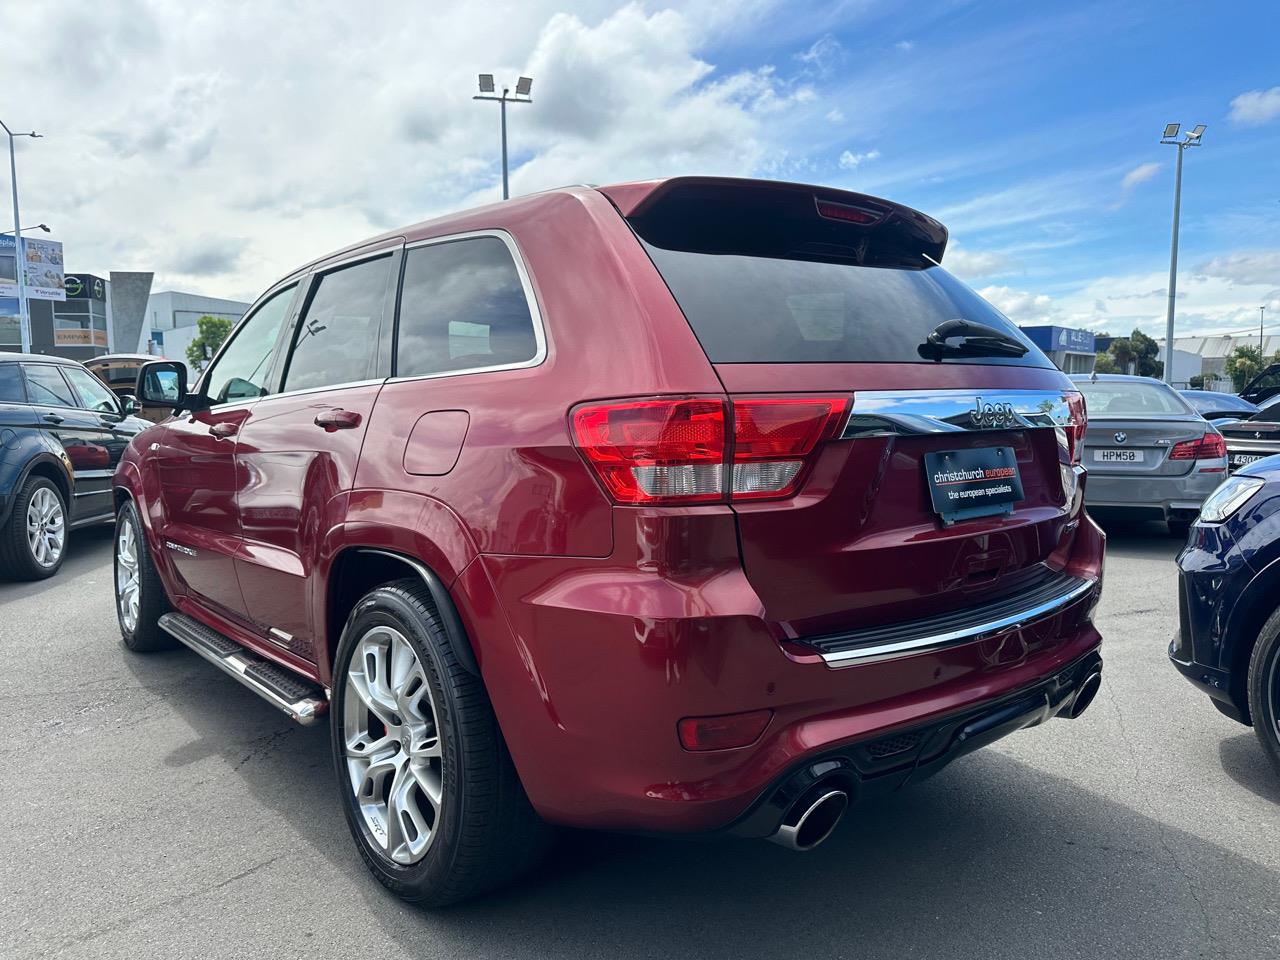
1251 611
47 465
358 569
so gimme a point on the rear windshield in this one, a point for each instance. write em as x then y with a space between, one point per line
747 309
784 273
1213 402
1130 398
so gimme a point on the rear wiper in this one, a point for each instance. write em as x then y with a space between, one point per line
976 340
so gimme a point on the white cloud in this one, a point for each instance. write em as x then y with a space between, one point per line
1245 266
1020 306
834 115
1256 107
851 161
972 264
905 45
824 52
1139 174
220 163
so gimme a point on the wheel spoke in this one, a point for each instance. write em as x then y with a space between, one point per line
429 779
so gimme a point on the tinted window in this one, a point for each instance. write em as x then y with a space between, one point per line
338 335
46 387
1130 398
240 373
462 306
93 393
1213 402
11 384
747 309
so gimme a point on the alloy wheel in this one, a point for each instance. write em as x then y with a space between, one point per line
128 592
391 741
46 527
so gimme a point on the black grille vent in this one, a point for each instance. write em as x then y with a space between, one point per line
893 745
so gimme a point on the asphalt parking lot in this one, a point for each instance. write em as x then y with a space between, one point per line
153 808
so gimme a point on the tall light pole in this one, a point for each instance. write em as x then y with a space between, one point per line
24 323
487 92
1262 312
1191 139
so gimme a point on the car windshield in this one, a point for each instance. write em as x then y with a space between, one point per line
1131 398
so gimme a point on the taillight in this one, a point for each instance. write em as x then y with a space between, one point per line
723 732
1075 429
679 451
772 439
1209 447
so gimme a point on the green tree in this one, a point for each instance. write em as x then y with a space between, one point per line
1105 363
1145 354
210 332
1243 365
1196 382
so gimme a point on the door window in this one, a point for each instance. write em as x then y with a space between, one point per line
240 372
46 386
337 337
93 395
462 307
11 390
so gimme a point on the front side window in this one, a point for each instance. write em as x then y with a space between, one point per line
46 387
462 307
93 394
337 337
240 373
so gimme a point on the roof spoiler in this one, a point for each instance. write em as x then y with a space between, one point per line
874 230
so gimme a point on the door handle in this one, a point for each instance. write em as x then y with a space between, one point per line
224 429
337 419
51 418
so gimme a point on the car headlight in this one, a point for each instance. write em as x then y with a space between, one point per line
1232 494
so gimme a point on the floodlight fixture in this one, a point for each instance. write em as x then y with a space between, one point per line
486 83
1170 129
1197 131
523 86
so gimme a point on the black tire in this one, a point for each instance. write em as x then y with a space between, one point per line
487 833
1179 528
1264 688
16 559
145 636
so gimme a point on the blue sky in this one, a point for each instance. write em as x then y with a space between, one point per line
178 142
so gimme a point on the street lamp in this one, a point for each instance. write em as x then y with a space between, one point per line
34 226
1192 139
487 92
1262 312
24 322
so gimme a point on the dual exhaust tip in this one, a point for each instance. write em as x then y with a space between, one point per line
815 816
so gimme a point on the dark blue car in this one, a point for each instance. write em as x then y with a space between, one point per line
1228 642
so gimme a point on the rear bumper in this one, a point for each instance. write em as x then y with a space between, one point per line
1165 496
591 665
876 767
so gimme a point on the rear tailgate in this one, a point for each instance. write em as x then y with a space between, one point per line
862 546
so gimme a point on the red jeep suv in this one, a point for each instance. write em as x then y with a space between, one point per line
686 506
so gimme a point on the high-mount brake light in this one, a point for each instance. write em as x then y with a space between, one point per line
847 212
678 450
1209 447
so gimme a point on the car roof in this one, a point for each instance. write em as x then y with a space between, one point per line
1114 378
43 358
107 357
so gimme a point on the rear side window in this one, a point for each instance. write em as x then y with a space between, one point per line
462 307
1130 398
46 387
338 335
11 384
763 277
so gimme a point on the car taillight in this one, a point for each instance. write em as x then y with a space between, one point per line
772 439
679 450
1075 429
1209 447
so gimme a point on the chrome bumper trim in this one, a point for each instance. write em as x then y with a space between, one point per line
929 643
881 413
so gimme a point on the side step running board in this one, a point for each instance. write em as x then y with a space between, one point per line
281 688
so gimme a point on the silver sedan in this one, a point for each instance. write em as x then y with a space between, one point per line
1147 451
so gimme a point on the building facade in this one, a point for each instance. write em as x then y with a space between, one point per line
77 328
1072 350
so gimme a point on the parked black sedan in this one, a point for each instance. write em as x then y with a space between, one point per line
1253 439
1228 641
1213 405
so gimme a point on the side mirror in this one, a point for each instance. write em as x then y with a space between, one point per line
163 383
129 405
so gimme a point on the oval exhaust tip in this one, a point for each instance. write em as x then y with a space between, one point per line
815 823
1089 687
